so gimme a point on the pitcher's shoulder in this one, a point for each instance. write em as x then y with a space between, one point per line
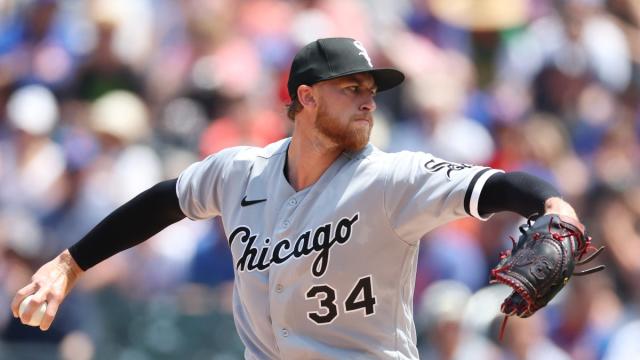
246 155
375 155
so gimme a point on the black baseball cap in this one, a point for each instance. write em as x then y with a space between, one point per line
329 58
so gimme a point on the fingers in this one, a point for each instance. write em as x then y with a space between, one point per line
43 290
54 298
29 307
49 286
50 314
38 299
20 295
51 301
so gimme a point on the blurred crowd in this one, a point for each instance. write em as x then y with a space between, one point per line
101 99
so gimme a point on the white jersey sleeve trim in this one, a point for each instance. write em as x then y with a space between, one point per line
476 189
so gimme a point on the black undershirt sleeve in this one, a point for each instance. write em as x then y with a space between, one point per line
515 191
130 224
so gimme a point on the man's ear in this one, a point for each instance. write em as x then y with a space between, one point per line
306 96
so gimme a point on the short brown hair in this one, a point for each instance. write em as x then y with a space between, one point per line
293 108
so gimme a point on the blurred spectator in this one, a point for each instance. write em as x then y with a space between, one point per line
616 219
244 123
452 252
38 44
439 319
550 155
525 339
103 71
624 344
587 317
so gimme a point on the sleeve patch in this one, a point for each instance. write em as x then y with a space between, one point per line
433 166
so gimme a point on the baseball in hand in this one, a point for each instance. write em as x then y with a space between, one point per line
36 318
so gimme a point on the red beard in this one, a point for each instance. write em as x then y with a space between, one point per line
349 136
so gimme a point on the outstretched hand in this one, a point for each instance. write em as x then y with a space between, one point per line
50 284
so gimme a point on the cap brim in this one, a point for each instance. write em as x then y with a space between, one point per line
385 78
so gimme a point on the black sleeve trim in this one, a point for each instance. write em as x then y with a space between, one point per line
472 185
130 224
515 191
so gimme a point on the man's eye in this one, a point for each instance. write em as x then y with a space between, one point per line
353 89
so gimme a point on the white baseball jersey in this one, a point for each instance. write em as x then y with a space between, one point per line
328 272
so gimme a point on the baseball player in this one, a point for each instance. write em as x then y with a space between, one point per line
324 228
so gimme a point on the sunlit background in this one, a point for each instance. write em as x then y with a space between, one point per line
101 99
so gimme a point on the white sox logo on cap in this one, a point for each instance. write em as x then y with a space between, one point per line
363 51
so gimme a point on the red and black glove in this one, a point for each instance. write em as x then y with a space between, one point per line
542 262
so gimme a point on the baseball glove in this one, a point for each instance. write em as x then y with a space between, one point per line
540 264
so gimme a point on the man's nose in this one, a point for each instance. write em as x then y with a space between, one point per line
369 105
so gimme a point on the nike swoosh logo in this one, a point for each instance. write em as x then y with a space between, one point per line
246 202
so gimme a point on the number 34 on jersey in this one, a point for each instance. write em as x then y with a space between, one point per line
360 298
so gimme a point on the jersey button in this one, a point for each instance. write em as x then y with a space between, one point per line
286 223
293 202
284 332
279 288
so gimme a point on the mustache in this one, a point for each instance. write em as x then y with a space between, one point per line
367 117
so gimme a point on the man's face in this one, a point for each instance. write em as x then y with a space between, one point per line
345 110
